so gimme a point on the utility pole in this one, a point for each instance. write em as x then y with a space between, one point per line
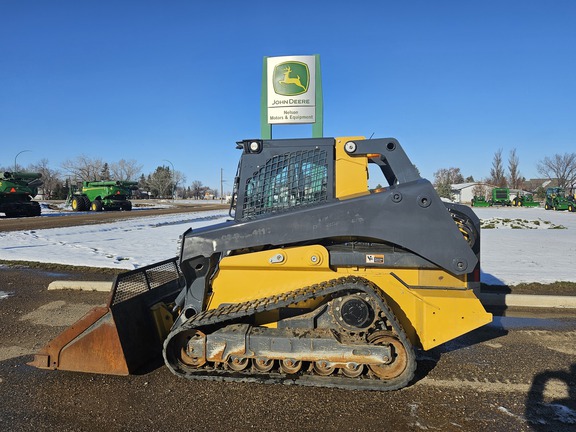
221 185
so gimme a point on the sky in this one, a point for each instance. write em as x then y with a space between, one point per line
179 81
508 255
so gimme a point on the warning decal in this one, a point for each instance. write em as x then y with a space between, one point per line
374 259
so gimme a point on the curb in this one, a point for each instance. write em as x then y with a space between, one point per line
81 285
528 300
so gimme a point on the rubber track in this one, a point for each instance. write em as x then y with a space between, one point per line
225 314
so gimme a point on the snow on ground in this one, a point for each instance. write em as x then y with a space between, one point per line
518 244
534 245
126 244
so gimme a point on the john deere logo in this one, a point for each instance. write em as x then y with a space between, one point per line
291 78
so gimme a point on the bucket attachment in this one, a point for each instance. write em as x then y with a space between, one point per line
128 333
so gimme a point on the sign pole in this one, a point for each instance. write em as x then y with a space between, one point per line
318 126
265 127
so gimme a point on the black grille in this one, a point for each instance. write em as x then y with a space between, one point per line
286 181
501 194
131 284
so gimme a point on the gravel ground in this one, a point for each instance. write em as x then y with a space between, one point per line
516 375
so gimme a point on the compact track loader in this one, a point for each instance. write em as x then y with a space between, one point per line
315 280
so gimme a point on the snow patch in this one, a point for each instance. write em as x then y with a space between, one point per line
505 223
4 294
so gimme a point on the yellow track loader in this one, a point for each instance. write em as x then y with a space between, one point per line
314 280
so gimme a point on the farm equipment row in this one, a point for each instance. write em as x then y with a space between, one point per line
556 199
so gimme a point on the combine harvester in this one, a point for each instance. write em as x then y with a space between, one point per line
315 280
17 190
102 195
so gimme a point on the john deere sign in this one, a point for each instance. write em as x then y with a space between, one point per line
291 92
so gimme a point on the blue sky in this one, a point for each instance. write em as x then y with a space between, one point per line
179 80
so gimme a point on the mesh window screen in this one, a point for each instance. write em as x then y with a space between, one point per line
289 180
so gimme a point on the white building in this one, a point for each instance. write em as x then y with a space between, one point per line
464 192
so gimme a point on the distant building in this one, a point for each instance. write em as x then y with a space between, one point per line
464 192
533 185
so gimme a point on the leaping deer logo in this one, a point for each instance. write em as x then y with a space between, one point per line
288 80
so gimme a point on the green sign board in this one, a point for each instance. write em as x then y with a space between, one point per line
291 93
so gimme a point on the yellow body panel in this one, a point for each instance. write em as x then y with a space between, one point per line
433 306
351 172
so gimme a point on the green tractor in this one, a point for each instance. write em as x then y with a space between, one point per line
556 199
525 200
17 189
480 201
501 197
102 195
572 204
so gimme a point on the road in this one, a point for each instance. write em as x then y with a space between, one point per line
67 219
518 373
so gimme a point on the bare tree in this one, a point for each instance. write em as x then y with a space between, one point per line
448 175
480 190
177 178
50 177
197 189
125 170
515 180
83 168
497 177
559 167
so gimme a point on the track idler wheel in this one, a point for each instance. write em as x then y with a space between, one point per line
238 363
352 370
324 368
189 354
262 364
290 366
395 366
